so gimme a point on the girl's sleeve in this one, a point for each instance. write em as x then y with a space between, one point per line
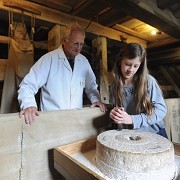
155 93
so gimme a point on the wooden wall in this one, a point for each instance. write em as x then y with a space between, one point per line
26 151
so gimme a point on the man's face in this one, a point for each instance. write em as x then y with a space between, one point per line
73 45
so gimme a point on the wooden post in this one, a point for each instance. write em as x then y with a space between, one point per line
100 44
54 37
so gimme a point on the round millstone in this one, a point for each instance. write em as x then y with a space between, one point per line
136 155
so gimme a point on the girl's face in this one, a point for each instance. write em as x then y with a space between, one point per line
129 67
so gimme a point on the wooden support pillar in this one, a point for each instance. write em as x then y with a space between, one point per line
55 36
100 44
3 64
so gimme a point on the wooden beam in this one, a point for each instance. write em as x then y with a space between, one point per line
170 79
170 56
132 32
40 44
119 21
3 64
20 6
164 4
176 14
37 44
167 88
53 4
100 44
58 17
83 4
162 42
152 15
4 39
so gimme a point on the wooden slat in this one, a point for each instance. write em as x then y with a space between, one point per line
4 39
162 42
170 79
172 120
83 4
80 146
74 169
69 166
164 4
132 32
3 64
40 44
167 88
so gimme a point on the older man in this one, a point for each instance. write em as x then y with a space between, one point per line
62 75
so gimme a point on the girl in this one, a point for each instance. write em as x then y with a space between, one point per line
137 98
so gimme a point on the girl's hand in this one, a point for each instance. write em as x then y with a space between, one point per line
120 116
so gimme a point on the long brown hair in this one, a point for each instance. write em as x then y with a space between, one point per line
142 101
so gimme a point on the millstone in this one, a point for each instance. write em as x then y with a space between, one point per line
130 154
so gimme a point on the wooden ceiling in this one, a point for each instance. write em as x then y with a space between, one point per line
136 18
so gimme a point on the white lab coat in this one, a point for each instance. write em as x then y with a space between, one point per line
61 88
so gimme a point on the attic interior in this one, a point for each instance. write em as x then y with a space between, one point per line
131 20
46 150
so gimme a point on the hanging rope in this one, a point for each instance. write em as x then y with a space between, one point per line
11 28
33 19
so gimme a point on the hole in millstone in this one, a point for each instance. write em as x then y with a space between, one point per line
134 138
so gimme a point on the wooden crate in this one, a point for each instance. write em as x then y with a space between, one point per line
70 167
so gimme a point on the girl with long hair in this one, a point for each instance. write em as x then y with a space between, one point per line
136 96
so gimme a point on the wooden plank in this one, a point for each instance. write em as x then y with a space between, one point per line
55 36
164 4
73 167
3 64
40 44
172 119
170 79
162 42
82 4
37 44
167 88
100 44
4 39
64 172
26 151
80 146
53 129
132 32
70 167
10 146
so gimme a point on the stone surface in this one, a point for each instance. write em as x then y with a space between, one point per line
130 154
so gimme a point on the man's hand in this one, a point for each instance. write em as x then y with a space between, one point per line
29 114
101 105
